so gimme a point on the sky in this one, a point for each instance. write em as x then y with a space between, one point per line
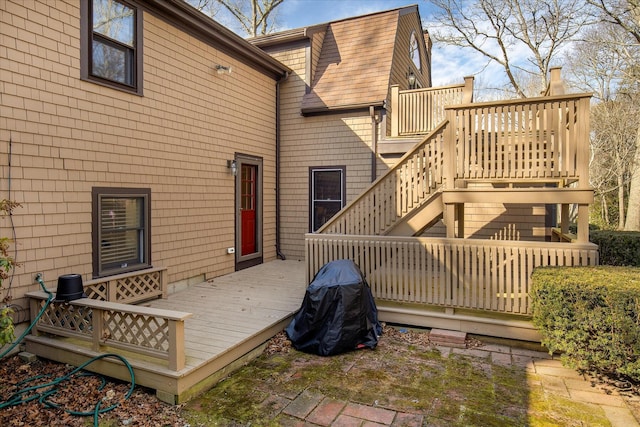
299 13
449 65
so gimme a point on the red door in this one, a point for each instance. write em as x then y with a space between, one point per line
248 176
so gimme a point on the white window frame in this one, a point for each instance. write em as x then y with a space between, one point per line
313 226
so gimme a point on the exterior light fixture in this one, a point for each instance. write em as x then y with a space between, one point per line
221 69
411 78
233 166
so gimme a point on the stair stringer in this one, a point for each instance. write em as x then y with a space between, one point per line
420 218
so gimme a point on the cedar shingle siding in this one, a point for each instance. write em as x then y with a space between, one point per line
69 135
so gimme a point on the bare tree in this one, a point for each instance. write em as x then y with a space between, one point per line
594 66
625 14
208 7
255 17
605 63
612 147
523 36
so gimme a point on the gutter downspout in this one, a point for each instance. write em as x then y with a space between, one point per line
284 77
374 142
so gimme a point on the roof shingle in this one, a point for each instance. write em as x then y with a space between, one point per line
355 63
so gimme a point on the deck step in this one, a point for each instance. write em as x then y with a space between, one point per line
448 338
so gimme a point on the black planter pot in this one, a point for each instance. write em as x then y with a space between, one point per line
70 288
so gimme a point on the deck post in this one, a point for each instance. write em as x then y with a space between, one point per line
98 328
583 223
467 91
564 219
582 137
164 278
176 342
395 110
460 217
112 290
450 219
449 173
556 85
34 308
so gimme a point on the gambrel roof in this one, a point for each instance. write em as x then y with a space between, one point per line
355 63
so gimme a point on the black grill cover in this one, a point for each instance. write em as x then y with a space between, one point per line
338 313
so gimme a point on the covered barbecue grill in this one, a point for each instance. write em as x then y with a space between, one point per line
338 313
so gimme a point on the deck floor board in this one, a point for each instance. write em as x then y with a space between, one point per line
228 310
232 316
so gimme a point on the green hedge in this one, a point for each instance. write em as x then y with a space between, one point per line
591 315
617 247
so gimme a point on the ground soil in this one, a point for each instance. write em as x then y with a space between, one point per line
279 370
22 382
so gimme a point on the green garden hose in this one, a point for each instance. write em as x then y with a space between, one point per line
30 393
24 334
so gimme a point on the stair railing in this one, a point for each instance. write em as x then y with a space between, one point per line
416 176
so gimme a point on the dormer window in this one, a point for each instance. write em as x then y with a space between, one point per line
414 51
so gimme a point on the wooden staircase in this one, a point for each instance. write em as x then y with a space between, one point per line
529 150
411 186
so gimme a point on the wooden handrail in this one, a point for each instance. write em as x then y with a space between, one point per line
138 329
407 184
520 101
418 111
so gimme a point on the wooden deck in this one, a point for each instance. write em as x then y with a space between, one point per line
233 316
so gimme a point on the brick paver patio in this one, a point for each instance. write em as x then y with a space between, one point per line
310 409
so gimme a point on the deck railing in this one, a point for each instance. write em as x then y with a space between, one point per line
542 139
419 111
140 330
408 184
536 138
129 288
107 318
485 275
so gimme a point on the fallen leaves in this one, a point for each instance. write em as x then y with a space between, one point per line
55 405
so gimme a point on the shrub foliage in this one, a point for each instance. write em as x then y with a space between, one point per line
591 315
617 247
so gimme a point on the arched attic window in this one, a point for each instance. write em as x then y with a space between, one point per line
414 51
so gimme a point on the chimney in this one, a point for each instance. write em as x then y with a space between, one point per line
428 43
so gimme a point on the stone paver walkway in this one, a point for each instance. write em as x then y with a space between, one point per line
314 409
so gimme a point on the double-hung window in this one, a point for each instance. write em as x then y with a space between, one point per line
327 194
121 230
112 44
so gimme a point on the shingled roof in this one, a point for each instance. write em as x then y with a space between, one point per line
354 66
